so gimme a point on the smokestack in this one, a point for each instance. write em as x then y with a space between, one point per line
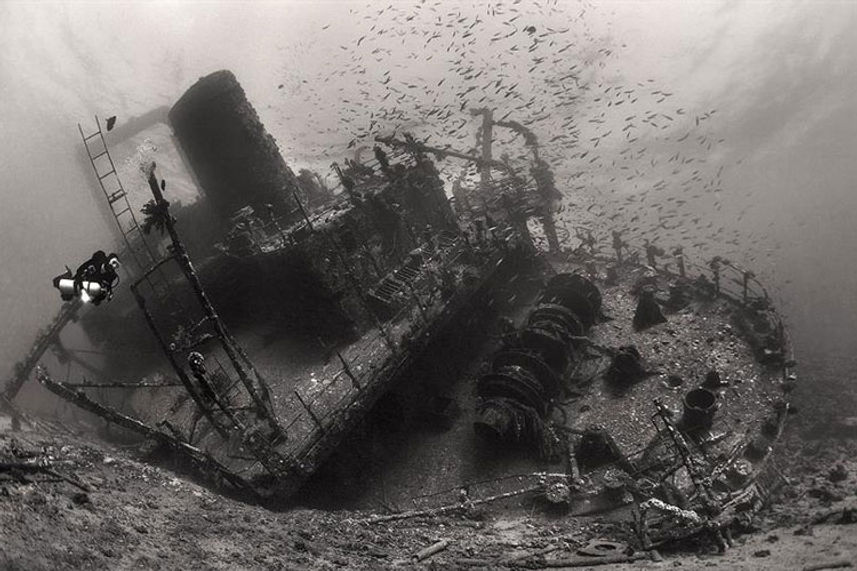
235 160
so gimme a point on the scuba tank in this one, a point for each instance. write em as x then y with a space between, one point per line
88 290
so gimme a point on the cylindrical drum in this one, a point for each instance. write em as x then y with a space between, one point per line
699 407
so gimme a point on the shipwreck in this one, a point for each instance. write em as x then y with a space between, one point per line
653 390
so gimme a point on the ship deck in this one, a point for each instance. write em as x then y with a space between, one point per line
431 467
318 396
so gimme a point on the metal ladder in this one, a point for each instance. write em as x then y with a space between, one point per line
143 254
117 198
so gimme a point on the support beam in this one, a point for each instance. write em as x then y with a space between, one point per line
487 141
199 457
46 338
117 385
233 351
396 143
185 380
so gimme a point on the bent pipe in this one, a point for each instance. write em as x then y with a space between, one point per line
525 375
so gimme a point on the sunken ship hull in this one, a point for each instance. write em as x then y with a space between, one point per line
653 391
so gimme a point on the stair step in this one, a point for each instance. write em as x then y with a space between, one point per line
388 290
382 298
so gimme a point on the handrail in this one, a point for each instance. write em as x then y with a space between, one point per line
724 276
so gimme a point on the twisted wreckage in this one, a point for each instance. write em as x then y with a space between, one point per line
655 394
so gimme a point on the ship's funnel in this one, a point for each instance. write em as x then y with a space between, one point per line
235 160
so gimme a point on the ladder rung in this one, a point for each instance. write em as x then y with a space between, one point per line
108 173
115 196
121 212
92 135
101 154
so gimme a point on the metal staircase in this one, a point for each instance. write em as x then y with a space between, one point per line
401 282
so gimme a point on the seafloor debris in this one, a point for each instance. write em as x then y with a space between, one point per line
648 311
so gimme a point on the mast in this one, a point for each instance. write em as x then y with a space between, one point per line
487 140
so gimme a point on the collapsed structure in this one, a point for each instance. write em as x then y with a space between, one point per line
595 375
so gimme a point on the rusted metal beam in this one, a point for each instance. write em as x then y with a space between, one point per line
230 347
309 410
185 380
347 369
118 385
43 342
199 457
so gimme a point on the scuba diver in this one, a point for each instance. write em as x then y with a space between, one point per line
93 281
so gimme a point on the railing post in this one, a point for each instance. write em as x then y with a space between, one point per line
418 303
309 410
347 369
679 257
715 268
748 275
276 224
